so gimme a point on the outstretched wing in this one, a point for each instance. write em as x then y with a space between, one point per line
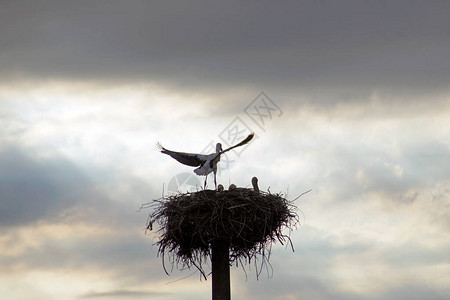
247 139
189 159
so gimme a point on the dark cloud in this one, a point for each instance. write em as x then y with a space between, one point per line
309 45
328 51
130 256
298 287
415 292
37 190
317 250
121 293
34 188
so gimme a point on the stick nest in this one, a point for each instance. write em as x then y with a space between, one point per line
249 221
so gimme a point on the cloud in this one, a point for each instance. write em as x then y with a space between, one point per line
36 189
416 292
311 45
81 248
88 89
101 232
122 293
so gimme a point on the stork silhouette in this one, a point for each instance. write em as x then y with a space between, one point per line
206 163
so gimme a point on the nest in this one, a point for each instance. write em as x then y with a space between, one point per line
248 221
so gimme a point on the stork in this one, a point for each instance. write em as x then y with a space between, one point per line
206 163
255 184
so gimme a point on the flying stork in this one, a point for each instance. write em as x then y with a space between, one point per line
206 163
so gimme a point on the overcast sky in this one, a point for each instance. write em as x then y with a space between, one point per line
347 98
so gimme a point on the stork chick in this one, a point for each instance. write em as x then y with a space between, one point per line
255 184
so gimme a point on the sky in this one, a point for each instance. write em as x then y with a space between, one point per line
348 99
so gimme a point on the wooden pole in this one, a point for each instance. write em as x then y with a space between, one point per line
220 260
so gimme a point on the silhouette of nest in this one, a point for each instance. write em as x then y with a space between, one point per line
249 221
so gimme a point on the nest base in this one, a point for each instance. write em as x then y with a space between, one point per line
248 221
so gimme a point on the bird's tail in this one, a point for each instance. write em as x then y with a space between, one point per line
200 171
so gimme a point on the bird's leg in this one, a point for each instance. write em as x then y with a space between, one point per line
204 186
215 183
